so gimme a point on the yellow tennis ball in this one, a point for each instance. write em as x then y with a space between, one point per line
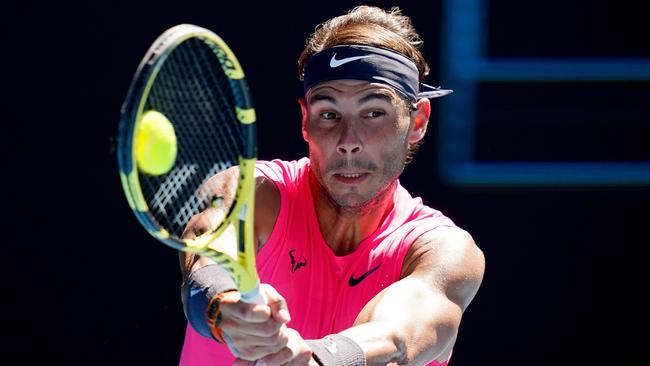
154 143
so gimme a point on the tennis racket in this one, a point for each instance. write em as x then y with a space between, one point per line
191 77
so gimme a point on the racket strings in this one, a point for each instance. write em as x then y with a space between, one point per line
192 90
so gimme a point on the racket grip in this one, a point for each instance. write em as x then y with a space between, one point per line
254 296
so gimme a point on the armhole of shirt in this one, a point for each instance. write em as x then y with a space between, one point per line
275 171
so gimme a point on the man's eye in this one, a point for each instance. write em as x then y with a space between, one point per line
328 115
375 114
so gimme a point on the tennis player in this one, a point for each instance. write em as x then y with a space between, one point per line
354 269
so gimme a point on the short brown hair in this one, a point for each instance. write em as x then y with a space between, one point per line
368 25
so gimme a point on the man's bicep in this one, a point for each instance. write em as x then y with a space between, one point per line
449 260
405 301
423 310
418 320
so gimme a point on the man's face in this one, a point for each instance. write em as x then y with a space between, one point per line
358 135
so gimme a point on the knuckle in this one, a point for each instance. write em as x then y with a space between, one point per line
269 329
252 314
261 316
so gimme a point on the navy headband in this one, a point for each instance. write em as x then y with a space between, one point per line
372 64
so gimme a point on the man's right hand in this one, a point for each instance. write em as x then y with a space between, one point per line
259 332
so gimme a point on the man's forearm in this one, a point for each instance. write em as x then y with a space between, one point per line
380 342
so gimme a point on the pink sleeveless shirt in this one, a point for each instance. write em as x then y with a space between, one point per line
324 292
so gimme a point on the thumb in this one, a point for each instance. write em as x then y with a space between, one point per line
277 303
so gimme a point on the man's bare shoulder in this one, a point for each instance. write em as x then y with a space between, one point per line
449 259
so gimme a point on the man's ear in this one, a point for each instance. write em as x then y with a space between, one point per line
420 120
305 118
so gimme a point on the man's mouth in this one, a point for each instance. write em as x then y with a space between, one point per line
351 178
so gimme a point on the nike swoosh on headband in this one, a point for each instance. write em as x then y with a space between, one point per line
336 63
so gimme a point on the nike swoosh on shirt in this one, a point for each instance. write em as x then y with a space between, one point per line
336 63
355 281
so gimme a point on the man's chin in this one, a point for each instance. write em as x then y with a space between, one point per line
354 204
347 200
356 199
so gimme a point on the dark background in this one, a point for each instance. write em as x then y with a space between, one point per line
566 269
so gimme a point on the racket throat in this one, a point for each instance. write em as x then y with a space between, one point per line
241 240
246 239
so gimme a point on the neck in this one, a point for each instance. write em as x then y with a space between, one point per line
344 228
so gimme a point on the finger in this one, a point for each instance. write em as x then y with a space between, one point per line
268 329
250 352
278 305
249 347
276 341
262 353
251 313
230 345
296 352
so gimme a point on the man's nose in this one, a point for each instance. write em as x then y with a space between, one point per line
349 142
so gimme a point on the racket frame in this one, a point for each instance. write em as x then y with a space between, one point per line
241 213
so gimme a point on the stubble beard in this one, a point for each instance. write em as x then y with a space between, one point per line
392 170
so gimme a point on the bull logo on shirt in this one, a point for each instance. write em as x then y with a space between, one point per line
295 265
